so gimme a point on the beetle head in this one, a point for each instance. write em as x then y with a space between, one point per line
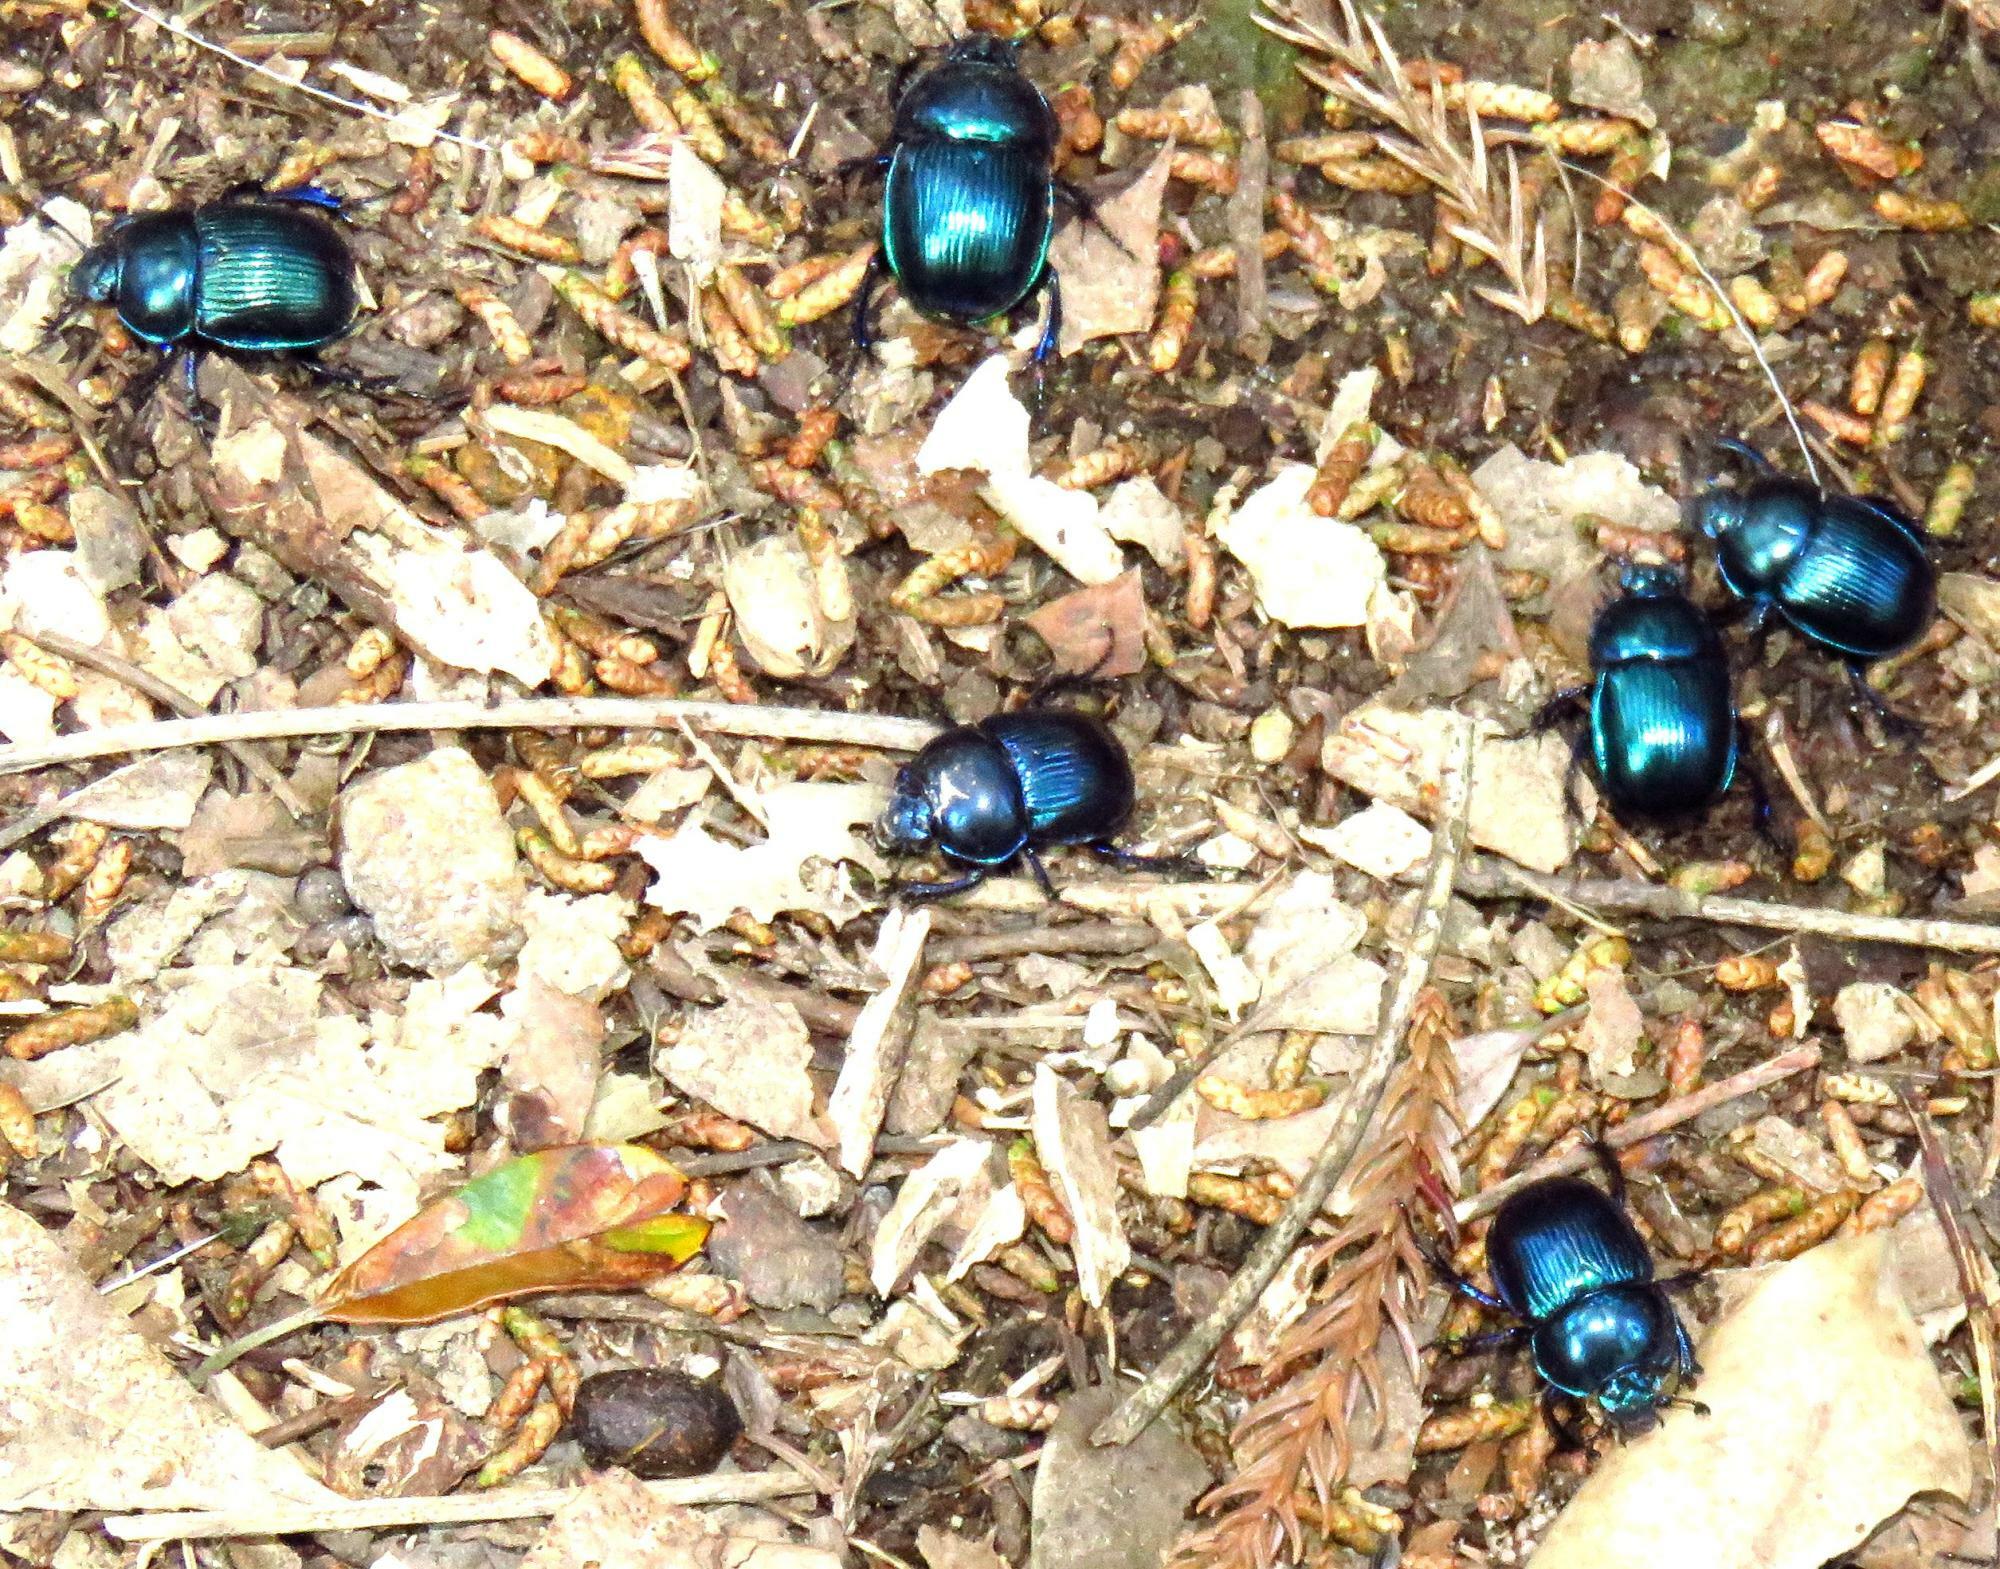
1651 580
97 272
908 826
1718 511
1631 1397
985 49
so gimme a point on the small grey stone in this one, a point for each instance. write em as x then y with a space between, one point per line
321 896
1119 1507
780 1260
425 851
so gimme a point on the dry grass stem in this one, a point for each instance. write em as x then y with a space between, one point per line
284 1517
540 713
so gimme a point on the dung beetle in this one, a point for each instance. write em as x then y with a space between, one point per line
968 203
1662 725
1568 1263
252 272
986 794
1849 572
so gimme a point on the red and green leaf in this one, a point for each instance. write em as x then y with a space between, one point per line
580 1217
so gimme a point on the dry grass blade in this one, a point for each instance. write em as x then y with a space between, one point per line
1973 1273
1367 74
1295 1444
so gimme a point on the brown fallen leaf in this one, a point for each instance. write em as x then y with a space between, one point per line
581 1217
95 1417
1097 631
1111 268
1827 1415
552 1065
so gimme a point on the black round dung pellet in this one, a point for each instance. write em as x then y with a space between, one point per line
654 1422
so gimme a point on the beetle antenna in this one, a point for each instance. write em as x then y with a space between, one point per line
180 29
1687 255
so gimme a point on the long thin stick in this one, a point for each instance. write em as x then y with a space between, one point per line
1486 878
144 681
1330 1165
543 713
1644 1126
282 1517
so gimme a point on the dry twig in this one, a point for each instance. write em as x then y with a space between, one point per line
144 681
1364 1095
285 1517
1638 1129
538 713
1491 879
1368 1276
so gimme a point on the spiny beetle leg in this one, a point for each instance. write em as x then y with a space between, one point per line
1903 729
1564 705
1052 326
1743 453
1166 865
1442 1268
864 303
874 165
1079 202
1614 1174
918 893
1567 1437
308 196
1041 872
1493 1340
149 380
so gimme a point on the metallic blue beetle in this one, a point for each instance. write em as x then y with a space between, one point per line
987 794
1849 572
968 207
1662 724
1661 732
252 272
1567 1261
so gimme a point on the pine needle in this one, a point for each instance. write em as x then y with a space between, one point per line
1482 212
1293 1446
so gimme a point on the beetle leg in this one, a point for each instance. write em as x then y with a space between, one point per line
1041 872
902 77
1573 771
1133 860
1556 709
1744 453
307 195
342 376
62 318
875 164
1078 201
1052 328
1567 1437
1684 1351
197 413
1760 803
1466 1345
917 893
148 381
1614 1174
864 302
1907 730
1441 1267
